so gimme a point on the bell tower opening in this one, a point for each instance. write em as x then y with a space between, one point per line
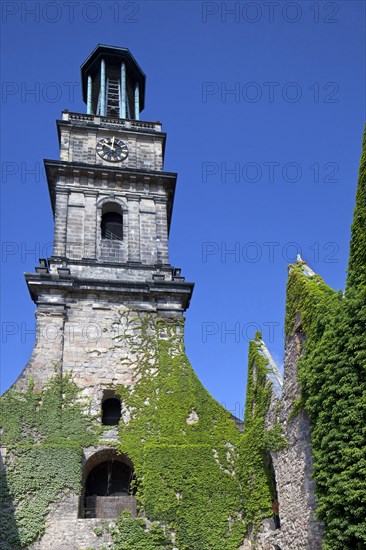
107 486
112 222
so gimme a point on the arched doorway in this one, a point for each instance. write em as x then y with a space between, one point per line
107 486
109 478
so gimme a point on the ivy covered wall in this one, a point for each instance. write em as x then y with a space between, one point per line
258 441
44 434
183 444
332 373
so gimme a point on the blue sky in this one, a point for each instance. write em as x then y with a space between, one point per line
263 104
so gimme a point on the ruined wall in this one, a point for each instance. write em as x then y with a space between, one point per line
293 466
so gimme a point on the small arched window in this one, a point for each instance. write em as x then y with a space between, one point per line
111 408
112 222
111 411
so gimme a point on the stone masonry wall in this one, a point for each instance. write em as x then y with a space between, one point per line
300 530
78 215
78 144
65 531
94 339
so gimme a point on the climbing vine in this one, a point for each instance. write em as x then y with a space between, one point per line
198 482
258 441
130 533
183 444
44 433
332 376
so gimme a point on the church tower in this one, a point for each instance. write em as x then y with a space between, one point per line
108 416
112 203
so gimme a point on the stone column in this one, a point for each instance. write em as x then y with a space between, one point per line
75 225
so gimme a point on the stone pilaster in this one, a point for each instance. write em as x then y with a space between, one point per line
75 226
133 229
161 231
59 245
90 229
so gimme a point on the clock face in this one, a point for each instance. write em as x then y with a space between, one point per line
112 149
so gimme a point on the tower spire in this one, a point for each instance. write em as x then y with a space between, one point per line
357 259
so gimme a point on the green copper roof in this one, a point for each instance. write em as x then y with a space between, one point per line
113 54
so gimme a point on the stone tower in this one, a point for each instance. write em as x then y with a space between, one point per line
112 205
108 407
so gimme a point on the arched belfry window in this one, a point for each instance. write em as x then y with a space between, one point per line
111 409
112 222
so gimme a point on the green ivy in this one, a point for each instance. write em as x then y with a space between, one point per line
186 472
332 371
258 442
185 488
309 301
132 534
44 433
357 260
183 444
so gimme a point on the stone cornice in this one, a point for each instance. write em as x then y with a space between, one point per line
178 292
107 125
93 171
